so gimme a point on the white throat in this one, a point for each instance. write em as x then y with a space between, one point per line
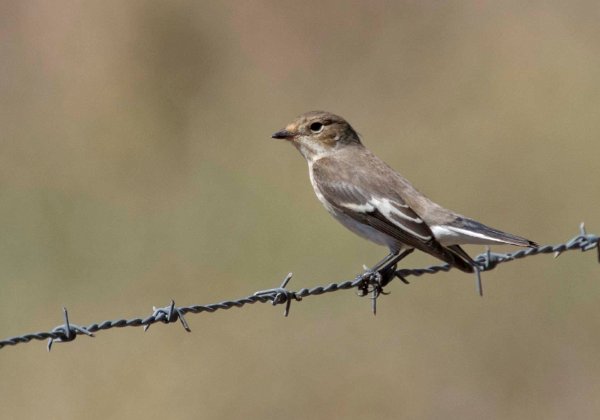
313 151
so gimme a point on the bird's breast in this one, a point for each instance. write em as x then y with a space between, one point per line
353 225
318 192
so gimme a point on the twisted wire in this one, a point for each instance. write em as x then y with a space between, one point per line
367 282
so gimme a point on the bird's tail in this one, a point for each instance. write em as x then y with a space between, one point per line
471 231
460 259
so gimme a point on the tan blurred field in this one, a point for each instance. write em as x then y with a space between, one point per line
136 166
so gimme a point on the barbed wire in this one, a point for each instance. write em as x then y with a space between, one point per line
368 282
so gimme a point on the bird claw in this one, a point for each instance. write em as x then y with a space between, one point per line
373 283
367 278
373 280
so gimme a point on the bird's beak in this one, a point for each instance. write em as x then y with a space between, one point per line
283 134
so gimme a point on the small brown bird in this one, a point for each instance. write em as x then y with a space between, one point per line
374 201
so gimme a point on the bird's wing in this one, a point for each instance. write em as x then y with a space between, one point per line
382 209
388 215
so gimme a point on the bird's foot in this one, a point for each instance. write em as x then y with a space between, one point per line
373 283
373 280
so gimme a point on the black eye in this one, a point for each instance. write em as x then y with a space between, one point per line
316 127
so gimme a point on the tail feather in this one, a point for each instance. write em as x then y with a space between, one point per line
461 259
471 231
456 259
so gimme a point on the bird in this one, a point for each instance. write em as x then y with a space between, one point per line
377 203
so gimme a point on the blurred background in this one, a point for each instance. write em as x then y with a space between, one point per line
136 166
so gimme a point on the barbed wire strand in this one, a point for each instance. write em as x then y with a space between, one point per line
367 282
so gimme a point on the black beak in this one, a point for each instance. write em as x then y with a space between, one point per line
283 134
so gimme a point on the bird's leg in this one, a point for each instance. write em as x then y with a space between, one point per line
387 268
374 275
377 277
390 260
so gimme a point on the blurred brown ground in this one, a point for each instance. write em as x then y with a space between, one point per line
136 166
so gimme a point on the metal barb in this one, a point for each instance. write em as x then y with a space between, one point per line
488 256
489 260
478 283
281 295
557 253
286 280
375 293
488 264
377 289
66 332
401 278
373 282
67 326
374 301
168 314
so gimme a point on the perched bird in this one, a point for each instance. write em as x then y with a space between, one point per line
376 202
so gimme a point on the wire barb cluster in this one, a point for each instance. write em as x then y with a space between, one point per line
369 282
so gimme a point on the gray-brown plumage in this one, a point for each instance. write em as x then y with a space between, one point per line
374 201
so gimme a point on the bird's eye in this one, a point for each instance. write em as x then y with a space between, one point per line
316 127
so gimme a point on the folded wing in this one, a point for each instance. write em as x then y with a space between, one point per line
384 211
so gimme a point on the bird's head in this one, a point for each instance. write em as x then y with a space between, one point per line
318 133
